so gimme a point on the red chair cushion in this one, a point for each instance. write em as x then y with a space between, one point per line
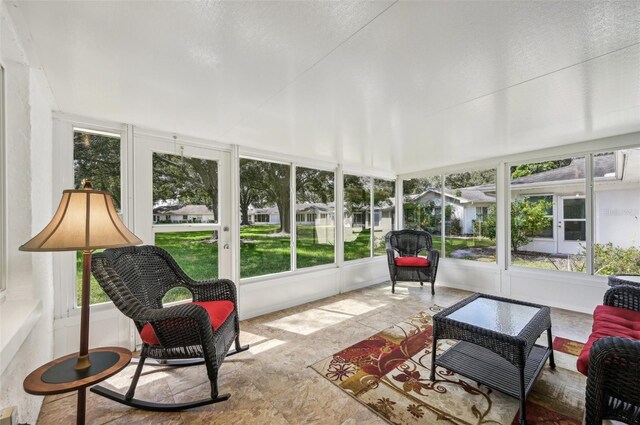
218 312
609 321
411 261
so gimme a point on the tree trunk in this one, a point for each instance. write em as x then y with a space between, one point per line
284 209
245 215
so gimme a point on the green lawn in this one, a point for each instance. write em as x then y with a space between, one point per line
262 252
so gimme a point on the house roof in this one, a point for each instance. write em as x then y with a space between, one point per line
183 210
603 165
300 208
471 194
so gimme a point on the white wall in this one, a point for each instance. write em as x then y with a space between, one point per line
26 339
267 295
567 290
618 217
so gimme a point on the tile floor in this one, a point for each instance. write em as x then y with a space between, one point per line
271 383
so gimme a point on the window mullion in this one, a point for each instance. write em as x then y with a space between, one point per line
292 215
589 213
371 216
443 250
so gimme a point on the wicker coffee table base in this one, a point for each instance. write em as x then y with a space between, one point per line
506 363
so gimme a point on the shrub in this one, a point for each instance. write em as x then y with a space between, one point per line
527 218
456 227
610 260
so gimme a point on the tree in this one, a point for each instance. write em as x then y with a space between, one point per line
314 185
185 181
417 186
267 182
537 167
97 158
470 178
357 194
527 219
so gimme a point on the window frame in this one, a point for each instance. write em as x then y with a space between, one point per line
64 263
360 214
294 214
3 189
293 163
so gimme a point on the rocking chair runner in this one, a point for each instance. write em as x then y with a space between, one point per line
136 279
403 248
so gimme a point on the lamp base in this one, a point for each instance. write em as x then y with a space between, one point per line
65 371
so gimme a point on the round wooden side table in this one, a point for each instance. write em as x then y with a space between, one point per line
59 376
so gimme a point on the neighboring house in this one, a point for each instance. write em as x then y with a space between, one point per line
467 205
616 202
322 216
183 214
306 213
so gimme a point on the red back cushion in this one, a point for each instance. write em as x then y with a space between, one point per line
609 321
411 261
218 312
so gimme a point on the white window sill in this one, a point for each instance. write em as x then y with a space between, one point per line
17 319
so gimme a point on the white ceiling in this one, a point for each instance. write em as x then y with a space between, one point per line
400 86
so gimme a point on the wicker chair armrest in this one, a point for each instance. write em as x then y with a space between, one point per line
434 256
613 369
623 296
213 290
181 311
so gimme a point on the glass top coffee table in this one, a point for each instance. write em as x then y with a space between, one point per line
496 343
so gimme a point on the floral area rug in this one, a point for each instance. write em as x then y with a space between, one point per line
389 373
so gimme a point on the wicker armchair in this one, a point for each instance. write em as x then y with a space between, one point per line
613 381
403 250
136 279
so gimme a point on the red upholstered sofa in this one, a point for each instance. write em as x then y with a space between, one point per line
611 359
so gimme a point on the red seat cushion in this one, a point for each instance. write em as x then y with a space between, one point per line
609 321
218 312
411 262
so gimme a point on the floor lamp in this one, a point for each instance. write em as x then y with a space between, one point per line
85 220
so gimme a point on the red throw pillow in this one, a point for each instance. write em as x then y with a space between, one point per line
218 311
411 262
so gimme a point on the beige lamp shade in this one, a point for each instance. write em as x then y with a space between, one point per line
86 219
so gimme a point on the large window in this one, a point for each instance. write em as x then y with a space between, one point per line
315 217
470 215
357 217
384 213
616 248
548 225
96 156
265 208
185 193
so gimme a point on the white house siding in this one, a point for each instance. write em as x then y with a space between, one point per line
618 216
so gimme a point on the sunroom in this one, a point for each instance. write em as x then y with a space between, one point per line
278 145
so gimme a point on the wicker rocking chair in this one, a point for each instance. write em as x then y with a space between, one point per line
613 382
136 279
403 248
